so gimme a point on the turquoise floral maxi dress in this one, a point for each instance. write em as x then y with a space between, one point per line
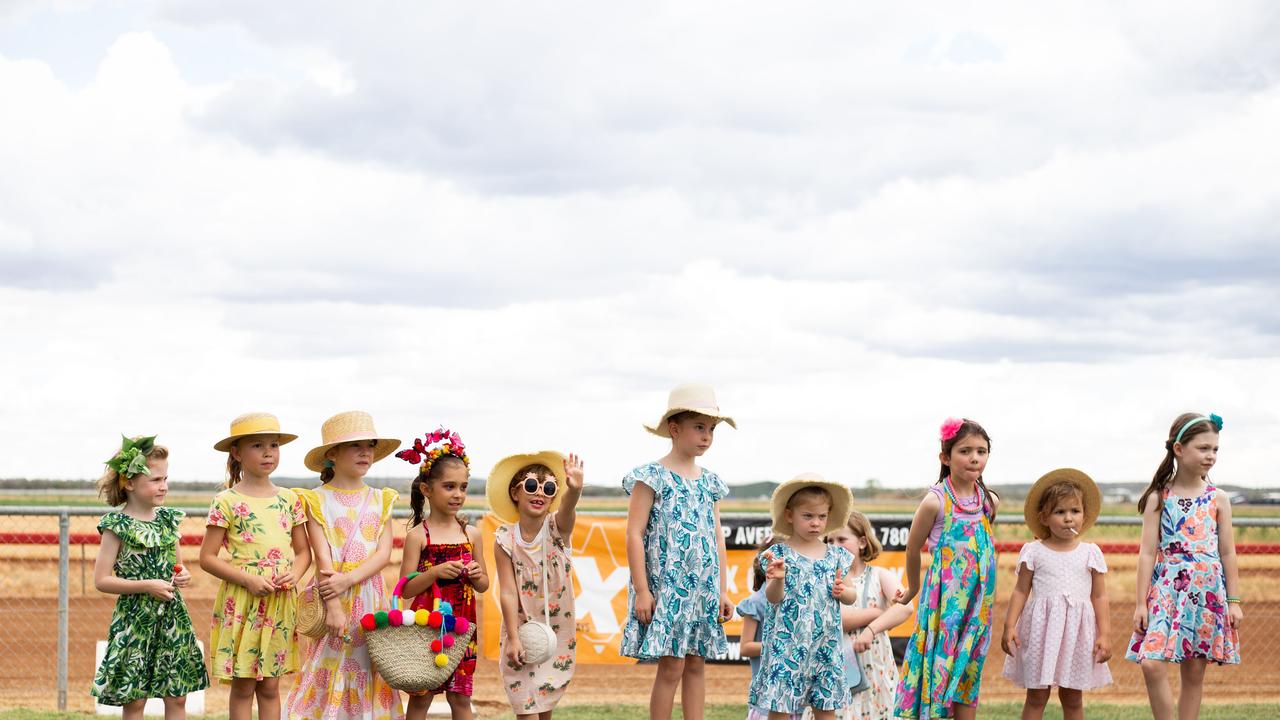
151 645
944 659
682 564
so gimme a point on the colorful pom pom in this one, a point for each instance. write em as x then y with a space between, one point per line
446 607
435 604
394 618
462 625
435 620
447 641
437 646
442 660
422 617
368 623
380 618
450 622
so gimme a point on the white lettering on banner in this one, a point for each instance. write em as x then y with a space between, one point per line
752 535
596 599
731 578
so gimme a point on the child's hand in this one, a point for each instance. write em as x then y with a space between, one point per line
644 606
861 645
472 570
1235 614
158 589
515 651
776 569
258 586
838 587
285 580
1102 650
573 472
334 584
450 570
726 609
1140 618
335 620
904 595
1010 643
181 576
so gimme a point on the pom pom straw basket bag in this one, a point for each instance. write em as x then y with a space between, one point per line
416 651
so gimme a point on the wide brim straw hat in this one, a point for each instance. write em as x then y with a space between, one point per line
1092 498
257 423
346 427
841 502
690 397
499 480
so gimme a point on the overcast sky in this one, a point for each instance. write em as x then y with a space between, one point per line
527 221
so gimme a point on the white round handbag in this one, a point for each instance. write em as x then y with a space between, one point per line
537 638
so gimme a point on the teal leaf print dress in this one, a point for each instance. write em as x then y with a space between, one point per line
682 563
151 645
802 657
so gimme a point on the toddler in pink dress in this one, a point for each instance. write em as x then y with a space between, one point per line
1057 630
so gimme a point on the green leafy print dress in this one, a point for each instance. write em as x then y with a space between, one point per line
151 645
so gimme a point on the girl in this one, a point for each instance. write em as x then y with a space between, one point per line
868 622
151 645
263 527
802 661
444 554
1188 608
953 624
753 610
532 555
349 528
676 595
1062 638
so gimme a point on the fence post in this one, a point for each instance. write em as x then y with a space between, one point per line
64 563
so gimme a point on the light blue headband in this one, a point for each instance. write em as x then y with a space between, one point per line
1210 418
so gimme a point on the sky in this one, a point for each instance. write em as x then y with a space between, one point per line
528 221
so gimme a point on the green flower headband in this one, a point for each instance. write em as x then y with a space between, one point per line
132 458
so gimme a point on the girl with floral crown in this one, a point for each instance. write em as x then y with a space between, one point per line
446 554
252 642
942 672
151 645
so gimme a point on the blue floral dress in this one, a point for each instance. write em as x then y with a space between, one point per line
802 660
682 563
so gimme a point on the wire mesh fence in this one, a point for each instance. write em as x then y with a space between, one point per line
52 619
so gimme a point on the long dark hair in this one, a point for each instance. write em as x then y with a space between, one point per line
1164 473
969 427
417 499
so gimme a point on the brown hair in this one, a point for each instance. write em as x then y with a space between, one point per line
418 500
109 486
1053 495
1164 473
861 527
233 466
969 427
810 492
544 473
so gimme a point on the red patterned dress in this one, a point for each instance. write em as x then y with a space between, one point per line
458 593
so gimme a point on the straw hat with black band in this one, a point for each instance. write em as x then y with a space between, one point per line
497 486
1091 498
256 423
841 502
345 427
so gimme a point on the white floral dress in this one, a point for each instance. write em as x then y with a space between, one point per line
337 679
682 564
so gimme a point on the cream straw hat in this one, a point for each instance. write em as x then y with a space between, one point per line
258 423
348 427
1092 499
690 397
841 501
499 481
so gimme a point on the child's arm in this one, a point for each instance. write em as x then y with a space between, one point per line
567 515
921 526
892 617
852 618
1227 552
477 573
105 580
212 563
774 574
509 600
1009 641
842 589
637 520
1102 613
301 558
335 622
1147 558
749 648
726 607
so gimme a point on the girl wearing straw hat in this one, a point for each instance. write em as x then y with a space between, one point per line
676 597
349 526
537 493
263 528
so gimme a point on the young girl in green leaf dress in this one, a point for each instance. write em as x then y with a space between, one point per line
151 647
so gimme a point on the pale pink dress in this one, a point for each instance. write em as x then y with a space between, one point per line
1057 628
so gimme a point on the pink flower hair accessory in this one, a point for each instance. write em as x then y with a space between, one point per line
949 428
433 446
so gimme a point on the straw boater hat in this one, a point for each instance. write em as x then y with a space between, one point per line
841 501
1088 488
348 427
690 397
258 423
495 486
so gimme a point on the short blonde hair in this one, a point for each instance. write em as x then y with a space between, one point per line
109 486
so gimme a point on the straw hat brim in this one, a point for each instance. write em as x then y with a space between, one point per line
661 430
499 480
315 456
224 445
841 502
1092 498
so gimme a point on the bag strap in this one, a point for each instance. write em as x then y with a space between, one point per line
866 585
335 551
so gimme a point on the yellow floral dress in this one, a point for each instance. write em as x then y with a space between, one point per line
337 679
254 637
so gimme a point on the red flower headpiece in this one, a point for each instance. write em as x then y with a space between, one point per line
433 446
